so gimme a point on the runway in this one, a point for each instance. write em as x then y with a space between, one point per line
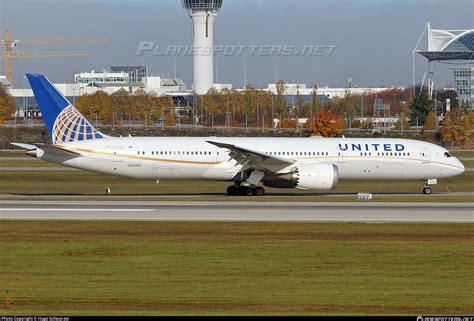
238 211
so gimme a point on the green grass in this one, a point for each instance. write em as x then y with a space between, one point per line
464 153
84 183
468 163
17 153
89 268
6 162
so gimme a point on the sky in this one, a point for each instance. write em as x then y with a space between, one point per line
372 40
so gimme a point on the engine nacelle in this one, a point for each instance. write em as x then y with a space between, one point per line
314 176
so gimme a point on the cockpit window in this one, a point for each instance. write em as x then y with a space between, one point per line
447 155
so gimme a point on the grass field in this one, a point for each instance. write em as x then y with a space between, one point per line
84 183
8 162
461 154
468 163
91 268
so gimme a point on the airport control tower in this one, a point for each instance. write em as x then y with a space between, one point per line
202 13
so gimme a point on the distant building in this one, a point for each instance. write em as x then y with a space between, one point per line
3 81
131 79
464 83
323 93
449 45
135 73
220 87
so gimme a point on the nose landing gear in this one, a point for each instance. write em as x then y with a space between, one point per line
427 189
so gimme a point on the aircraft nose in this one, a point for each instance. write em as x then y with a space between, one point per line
462 169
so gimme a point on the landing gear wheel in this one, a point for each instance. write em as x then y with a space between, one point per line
233 190
427 190
259 191
246 191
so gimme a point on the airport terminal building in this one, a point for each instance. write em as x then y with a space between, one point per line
128 78
464 84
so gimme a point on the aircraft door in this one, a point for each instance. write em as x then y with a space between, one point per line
426 155
342 156
221 155
117 154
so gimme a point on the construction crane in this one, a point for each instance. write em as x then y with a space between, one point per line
9 54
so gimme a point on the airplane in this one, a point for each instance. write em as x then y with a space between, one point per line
302 163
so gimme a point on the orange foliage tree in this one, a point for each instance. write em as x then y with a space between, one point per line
455 127
326 124
288 123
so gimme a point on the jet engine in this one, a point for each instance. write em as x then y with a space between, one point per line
314 176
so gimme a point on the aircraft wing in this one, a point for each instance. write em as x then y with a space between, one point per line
244 155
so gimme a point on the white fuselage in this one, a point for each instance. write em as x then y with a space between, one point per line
157 158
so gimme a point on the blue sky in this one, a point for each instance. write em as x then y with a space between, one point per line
374 38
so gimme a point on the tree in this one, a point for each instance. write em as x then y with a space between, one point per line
98 103
315 103
280 99
455 128
465 106
442 95
402 122
420 107
430 123
288 123
7 104
326 124
299 104
121 104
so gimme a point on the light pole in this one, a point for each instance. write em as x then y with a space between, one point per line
24 95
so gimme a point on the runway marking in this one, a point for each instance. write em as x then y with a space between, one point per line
74 210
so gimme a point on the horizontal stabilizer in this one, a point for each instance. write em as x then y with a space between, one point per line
47 148
24 146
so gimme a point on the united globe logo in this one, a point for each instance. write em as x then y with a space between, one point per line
71 126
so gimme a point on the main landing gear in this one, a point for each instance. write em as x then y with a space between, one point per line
236 190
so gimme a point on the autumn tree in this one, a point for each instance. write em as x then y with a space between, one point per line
288 123
98 103
455 127
430 123
326 124
7 104
315 103
403 122
121 105
280 101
